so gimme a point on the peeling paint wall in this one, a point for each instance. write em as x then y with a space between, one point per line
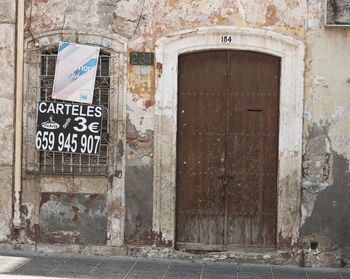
317 172
72 218
129 190
110 185
139 198
7 89
142 23
64 210
328 225
326 183
139 174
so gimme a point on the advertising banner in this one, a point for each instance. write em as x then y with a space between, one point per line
66 127
75 73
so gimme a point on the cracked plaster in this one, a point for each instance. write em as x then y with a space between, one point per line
326 82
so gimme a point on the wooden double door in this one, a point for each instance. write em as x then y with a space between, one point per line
227 150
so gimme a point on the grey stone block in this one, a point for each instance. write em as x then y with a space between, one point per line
220 270
315 274
281 272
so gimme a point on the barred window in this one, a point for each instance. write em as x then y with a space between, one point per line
77 164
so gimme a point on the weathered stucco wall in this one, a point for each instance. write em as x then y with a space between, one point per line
142 23
73 218
326 184
165 17
70 193
7 89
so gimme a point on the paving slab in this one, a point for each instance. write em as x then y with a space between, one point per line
345 274
185 270
48 263
149 269
282 272
9 263
323 274
220 271
247 271
109 268
30 265
30 271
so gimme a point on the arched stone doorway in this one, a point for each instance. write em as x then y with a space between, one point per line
291 53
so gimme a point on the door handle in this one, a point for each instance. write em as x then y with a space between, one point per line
225 178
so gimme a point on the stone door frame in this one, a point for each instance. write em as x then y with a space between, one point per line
291 51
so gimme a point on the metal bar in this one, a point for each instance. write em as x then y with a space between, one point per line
71 163
19 115
78 164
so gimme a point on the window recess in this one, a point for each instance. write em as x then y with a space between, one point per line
76 164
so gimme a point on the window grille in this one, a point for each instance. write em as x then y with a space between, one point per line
77 164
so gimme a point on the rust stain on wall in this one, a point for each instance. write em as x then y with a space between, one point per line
67 218
159 67
36 2
116 207
292 3
62 238
148 104
142 86
33 232
271 15
138 226
92 197
286 242
76 210
46 197
156 238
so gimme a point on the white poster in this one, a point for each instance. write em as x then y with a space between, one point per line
75 73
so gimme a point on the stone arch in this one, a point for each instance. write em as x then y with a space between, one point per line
291 51
114 184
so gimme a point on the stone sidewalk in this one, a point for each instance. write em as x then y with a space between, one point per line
17 264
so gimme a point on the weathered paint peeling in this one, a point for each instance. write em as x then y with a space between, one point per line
33 232
159 67
139 202
288 231
36 2
67 218
143 22
115 209
328 225
156 238
139 144
285 241
271 16
317 168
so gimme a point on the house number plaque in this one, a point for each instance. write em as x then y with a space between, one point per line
142 58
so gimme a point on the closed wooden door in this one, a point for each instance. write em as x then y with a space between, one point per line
227 144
